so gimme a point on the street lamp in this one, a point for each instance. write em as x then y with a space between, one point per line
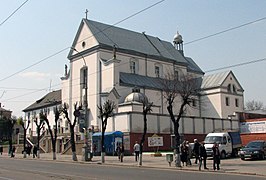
85 107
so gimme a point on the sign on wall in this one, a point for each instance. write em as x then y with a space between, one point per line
155 141
253 127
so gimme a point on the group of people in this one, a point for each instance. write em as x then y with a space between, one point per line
28 149
198 150
120 151
200 154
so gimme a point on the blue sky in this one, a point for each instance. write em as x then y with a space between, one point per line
41 28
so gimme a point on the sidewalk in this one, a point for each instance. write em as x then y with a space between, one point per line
237 166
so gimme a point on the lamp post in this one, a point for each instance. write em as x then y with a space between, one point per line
85 107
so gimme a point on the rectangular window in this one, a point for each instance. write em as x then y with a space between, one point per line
176 74
157 71
133 67
227 101
236 102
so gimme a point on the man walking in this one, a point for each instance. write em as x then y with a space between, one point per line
216 156
196 150
136 150
202 156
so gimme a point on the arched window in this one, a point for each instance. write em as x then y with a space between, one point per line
229 88
234 88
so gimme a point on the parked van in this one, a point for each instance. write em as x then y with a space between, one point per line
229 143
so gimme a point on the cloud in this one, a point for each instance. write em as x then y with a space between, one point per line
34 75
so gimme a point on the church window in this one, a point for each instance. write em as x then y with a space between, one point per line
157 71
236 102
234 89
134 66
229 88
227 101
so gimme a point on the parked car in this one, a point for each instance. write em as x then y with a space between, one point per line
254 150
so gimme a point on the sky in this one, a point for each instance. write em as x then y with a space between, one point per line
35 40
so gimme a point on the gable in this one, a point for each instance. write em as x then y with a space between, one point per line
84 39
220 80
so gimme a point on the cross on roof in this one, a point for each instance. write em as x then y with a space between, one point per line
86 12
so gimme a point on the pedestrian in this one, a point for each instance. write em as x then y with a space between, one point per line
184 153
196 150
28 150
1 149
122 152
34 152
118 151
216 156
136 150
189 153
13 151
202 156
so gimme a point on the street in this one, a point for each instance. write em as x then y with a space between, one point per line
21 169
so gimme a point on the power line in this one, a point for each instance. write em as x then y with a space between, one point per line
237 65
14 12
38 62
226 30
58 52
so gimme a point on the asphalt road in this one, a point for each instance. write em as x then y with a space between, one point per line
21 169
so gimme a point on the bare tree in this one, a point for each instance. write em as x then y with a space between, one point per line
25 127
254 105
39 125
183 90
105 111
146 109
53 135
72 126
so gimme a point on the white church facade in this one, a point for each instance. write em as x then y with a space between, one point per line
113 61
108 62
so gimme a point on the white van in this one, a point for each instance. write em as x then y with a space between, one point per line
229 143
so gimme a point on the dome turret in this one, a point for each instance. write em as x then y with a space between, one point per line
136 96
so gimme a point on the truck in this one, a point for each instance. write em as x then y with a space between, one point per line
229 143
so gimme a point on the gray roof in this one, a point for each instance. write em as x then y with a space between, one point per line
50 99
134 42
129 79
140 81
214 80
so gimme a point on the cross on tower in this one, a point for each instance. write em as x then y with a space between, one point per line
86 12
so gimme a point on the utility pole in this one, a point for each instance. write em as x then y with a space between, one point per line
85 146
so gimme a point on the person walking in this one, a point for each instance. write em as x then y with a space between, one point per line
189 154
216 156
13 151
196 150
122 152
184 153
136 150
118 151
34 151
1 149
202 156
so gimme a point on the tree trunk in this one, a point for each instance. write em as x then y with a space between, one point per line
54 155
24 144
38 142
73 144
102 146
54 149
74 156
